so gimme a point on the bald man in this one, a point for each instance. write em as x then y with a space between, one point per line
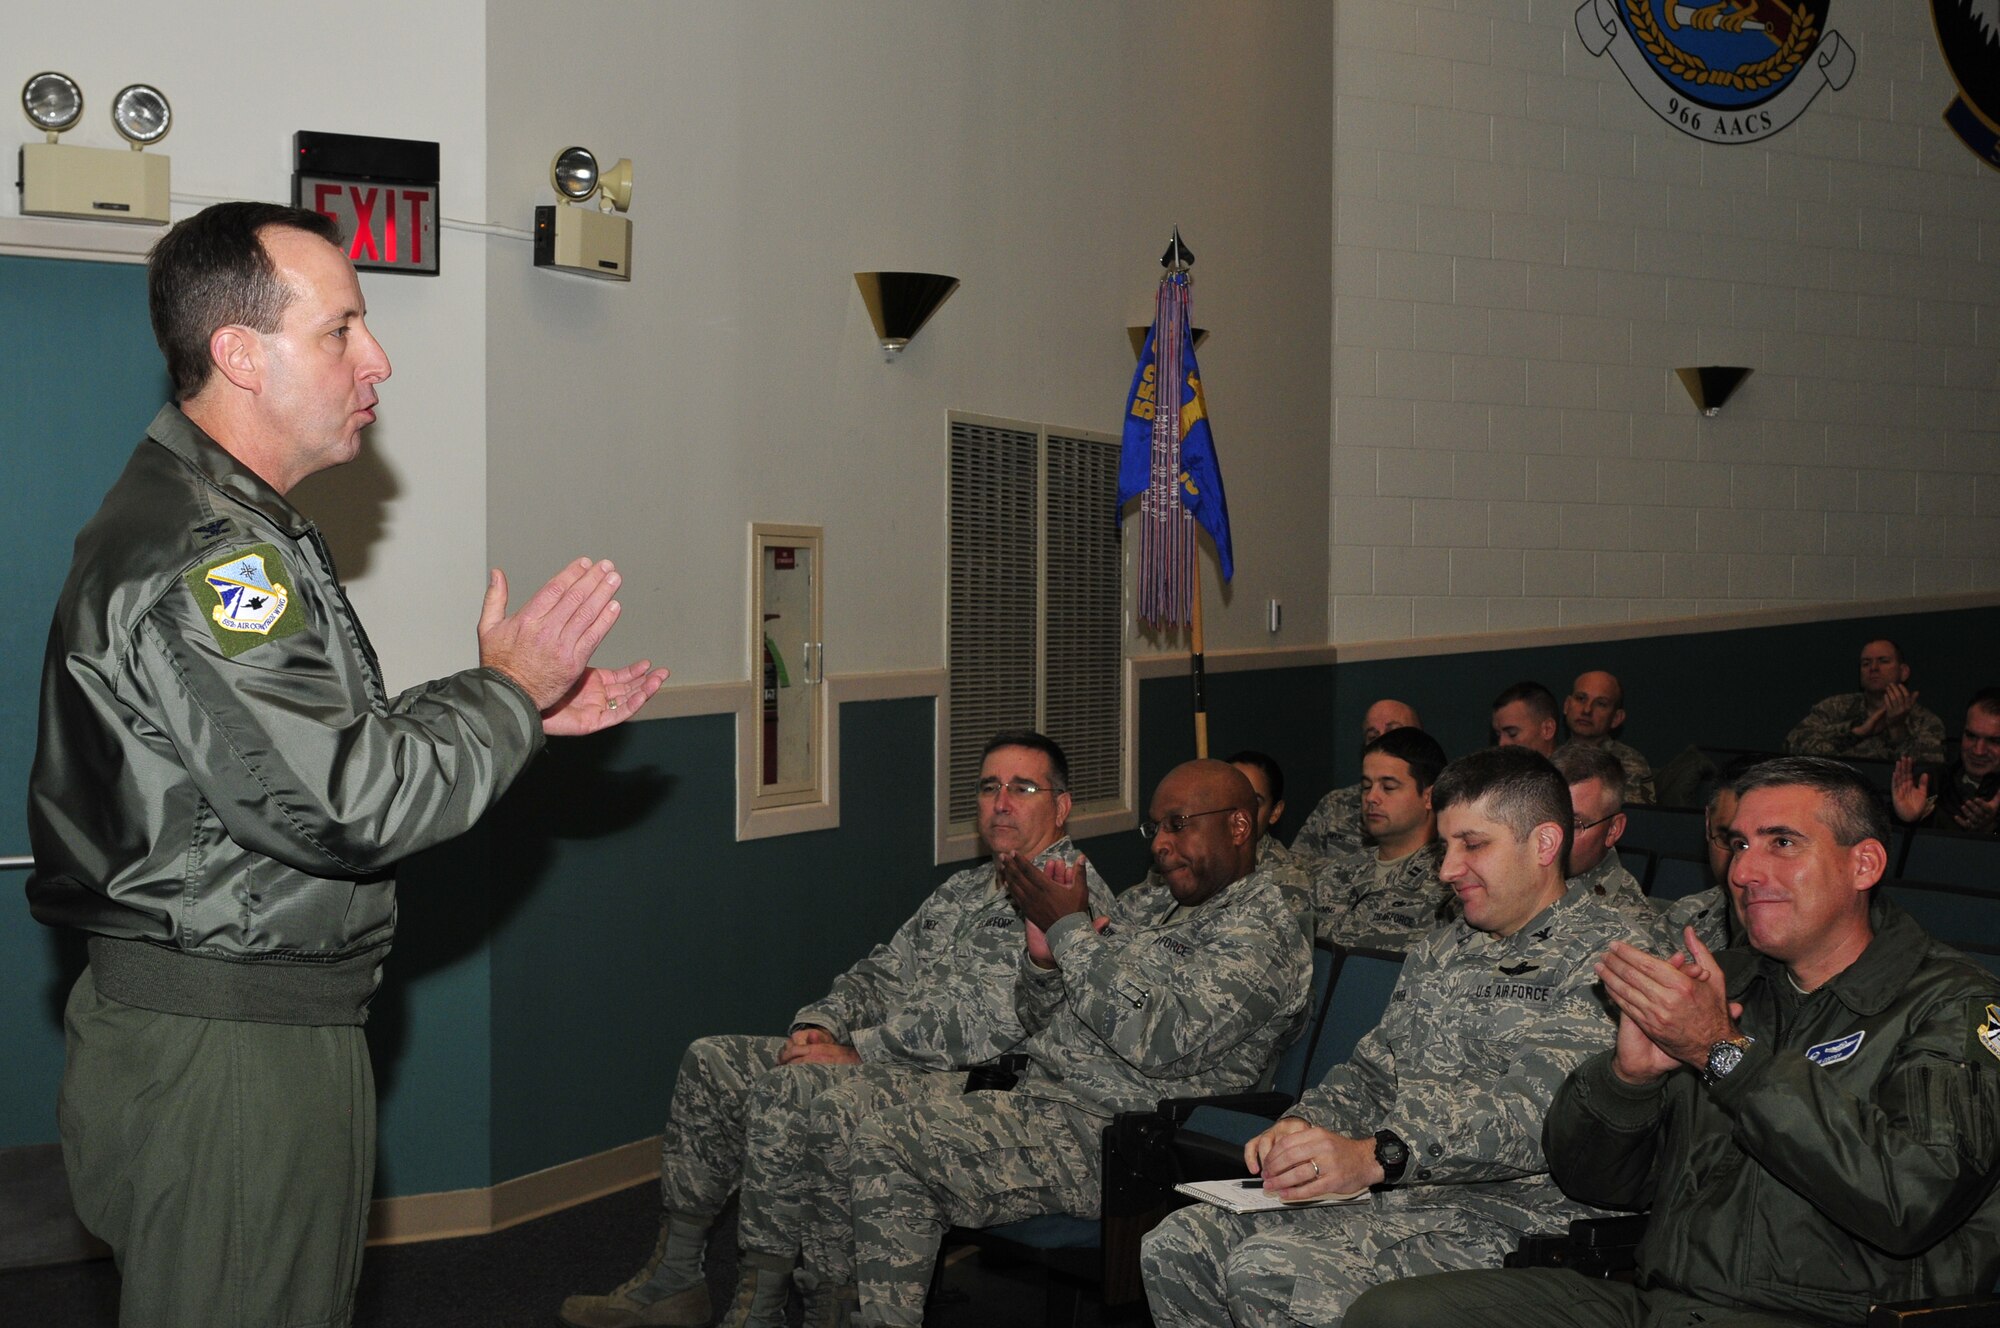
1336 826
1595 712
1189 988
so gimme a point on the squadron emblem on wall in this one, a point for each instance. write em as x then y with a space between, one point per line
1968 33
1730 72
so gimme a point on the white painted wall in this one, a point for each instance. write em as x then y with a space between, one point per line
407 521
1525 252
1041 152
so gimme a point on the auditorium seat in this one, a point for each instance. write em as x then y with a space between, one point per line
1949 857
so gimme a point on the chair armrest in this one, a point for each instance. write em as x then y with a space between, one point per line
1944 1312
1178 1109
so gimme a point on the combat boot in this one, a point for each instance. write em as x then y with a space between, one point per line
763 1285
669 1292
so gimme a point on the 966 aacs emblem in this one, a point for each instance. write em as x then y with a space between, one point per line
1735 71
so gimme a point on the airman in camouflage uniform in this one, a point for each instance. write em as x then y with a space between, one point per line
1828 730
904 1022
1594 710
1609 881
1597 801
1638 771
1189 989
1389 896
1707 911
1272 850
1359 903
1267 781
1885 709
1488 1017
1336 826
1334 829
1292 869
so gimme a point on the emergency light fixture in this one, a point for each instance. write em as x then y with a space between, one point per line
590 242
99 184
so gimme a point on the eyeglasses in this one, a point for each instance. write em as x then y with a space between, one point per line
990 787
1579 826
1176 823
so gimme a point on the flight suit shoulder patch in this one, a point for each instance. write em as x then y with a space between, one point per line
245 598
1985 1030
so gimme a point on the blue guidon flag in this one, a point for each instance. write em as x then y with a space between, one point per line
1968 33
1168 459
1734 71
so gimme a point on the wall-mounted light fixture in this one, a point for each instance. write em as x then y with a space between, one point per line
1711 384
101 184
591 242
901 302
1138 335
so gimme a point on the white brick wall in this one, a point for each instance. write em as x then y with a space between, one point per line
1523 255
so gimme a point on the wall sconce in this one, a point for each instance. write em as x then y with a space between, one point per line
1138 335
591 242
1711 384
901 302
100 184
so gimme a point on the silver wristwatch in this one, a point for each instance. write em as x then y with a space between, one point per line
1724 1057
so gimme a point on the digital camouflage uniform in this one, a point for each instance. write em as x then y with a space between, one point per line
1638 771
1828 730
1849 1159
1356 909
1478 1035
1292 872
1335 826
1271 849
1707 911
1167 1001
936 998
1609 881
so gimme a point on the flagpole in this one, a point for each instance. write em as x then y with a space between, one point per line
1179 492
1195 667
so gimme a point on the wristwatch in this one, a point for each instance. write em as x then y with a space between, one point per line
1392 1154
1724 1057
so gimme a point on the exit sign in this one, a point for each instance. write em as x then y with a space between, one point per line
382 193
383 227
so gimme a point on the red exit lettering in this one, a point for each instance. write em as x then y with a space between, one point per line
385 224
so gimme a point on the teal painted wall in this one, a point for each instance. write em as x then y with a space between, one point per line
628 921
552 966
79 380
1742 688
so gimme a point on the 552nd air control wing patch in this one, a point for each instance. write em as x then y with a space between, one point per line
244 598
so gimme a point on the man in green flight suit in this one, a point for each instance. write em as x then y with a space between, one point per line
222 787
1813 1118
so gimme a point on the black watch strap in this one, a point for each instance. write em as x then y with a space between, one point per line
1392 1154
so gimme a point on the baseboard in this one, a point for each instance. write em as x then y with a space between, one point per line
38 1227
414 1217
